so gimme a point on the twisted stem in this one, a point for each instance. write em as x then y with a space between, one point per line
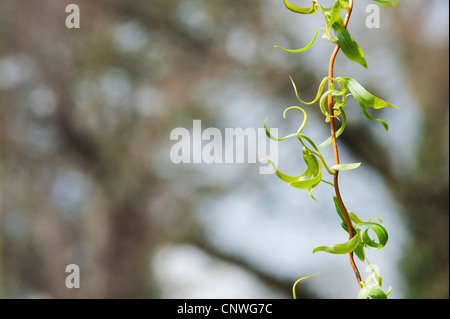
335 148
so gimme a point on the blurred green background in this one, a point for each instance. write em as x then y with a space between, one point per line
86 178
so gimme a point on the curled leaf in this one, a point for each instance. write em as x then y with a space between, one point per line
313 174
305 117
309 179
344 248
379 230
338 131
296 9
302 49
324 97
303 278
370 117
269 135
359 252
354 218
366 99
363 96
319 91
282 176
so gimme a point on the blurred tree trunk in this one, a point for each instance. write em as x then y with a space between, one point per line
426 193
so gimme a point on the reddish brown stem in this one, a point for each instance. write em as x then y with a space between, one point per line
335 148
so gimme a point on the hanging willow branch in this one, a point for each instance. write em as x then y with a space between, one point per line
338 90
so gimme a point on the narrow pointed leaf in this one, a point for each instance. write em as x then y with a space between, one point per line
344 248
348 45
338 208
309 179
376 219
311 161
282 176
359 252
341 215
309 141
389 291
296 9
303 278
391 3
310 194
363 96
372 291
323 98
302 49
305 117
269 135
338 132
309 183
354 218
319 91
366 99
370 117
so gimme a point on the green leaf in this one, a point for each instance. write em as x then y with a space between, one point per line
269 135
345 167
344 248
335 13
366 99
354 218
309 141
293 8
282 176
303 278
371 291
379 230
391 3
302 49
370 117
309 179
324 97
359 252
319 91
376 219
338 209
348 45
311 161
363 96
338 132
308 183
305 117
